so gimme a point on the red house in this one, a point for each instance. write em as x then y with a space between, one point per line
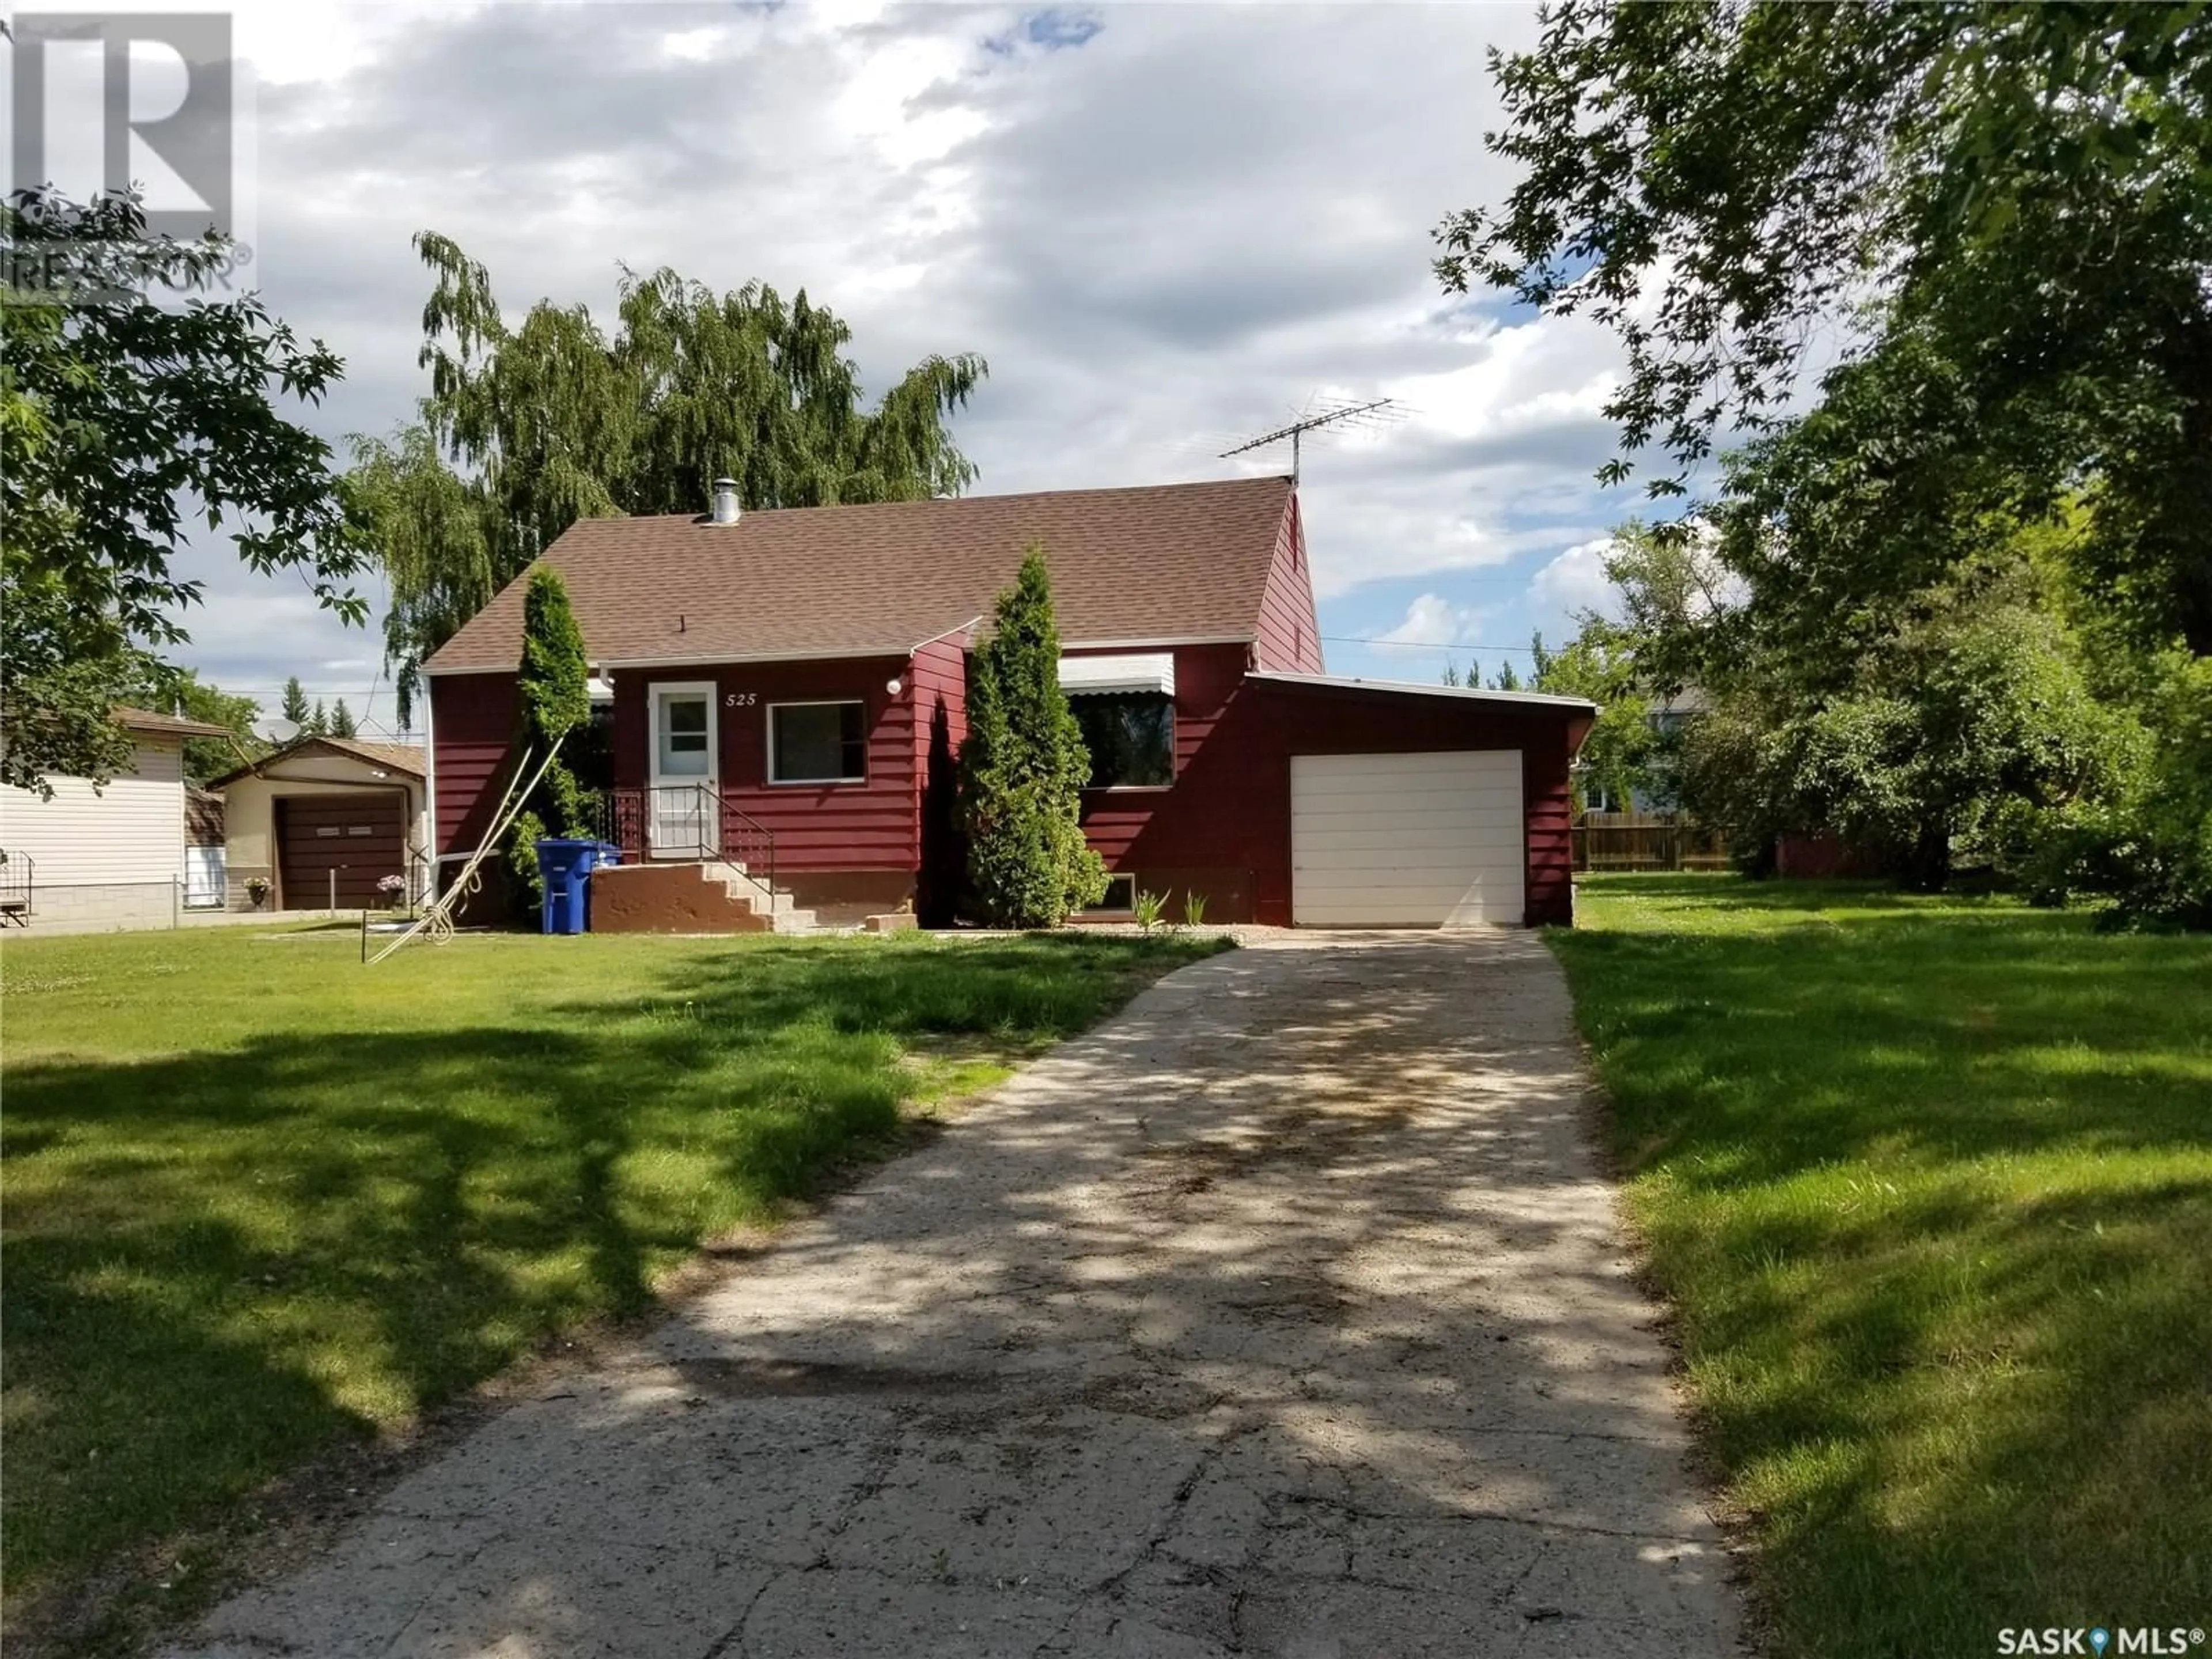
788 690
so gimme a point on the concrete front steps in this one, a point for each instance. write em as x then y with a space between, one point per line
715 897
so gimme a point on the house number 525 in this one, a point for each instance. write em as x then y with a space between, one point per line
740 699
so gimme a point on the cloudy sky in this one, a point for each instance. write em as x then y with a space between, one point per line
1167 227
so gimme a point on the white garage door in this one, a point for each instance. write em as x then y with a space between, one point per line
1407 841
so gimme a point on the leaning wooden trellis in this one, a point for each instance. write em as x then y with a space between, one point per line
436 923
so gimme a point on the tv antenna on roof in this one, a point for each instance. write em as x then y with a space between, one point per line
1369 413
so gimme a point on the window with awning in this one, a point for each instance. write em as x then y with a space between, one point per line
1126 705
1105 676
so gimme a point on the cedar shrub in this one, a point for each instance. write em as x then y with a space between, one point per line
1022 768
552 699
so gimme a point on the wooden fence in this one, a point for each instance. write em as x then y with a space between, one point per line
1645 840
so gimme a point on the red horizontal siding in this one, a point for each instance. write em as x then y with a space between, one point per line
1206 678
1289 630
471 726
939 675
1548 810
817 827
1224 822
1230 810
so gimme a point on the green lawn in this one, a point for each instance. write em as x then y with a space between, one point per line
1930 1184
260 1198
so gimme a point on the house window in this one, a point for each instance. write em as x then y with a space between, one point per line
684 719
1131 738
1120 897
817 742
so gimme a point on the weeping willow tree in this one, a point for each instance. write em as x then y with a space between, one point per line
528 429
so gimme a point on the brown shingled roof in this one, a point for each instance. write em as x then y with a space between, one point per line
175 725
1167 562
408 757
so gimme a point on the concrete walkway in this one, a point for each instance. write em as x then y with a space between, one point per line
1283 1315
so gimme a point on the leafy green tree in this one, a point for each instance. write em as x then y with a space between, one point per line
2020 187
1674 599
1600 664
184 692
2146 844
120 421
431 534
530 427
1507 678
1023 768
295 708
342 721
553 700
1961 709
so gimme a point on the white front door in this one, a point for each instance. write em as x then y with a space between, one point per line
1407 840
682 814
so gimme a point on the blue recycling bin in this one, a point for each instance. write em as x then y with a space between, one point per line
565 867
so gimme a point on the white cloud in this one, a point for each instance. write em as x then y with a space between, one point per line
1432 620
1576 582
1131 213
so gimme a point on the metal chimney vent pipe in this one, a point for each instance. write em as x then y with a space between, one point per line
726 509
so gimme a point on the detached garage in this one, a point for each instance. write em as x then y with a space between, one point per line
324 821
334 849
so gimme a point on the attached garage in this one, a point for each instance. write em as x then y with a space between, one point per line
1319 800
1424 840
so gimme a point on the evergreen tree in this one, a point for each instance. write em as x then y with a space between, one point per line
295 703
553 698
1024 767
1507 680
319 722
342 721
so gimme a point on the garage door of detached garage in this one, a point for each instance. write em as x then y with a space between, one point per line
360 835
1407 840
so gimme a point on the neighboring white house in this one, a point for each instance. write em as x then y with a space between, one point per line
111 855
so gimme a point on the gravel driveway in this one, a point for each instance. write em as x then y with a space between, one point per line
1284 1314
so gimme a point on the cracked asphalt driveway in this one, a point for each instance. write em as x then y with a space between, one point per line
1283 1314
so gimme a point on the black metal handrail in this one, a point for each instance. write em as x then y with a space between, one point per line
16 870
737 837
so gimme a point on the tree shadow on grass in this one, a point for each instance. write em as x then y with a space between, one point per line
1933 1189
1282 1315
219 1261
1744 1056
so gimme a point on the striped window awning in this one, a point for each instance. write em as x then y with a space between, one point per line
1151 670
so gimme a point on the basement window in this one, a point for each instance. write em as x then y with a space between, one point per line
817 742
1120 897
1131 738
